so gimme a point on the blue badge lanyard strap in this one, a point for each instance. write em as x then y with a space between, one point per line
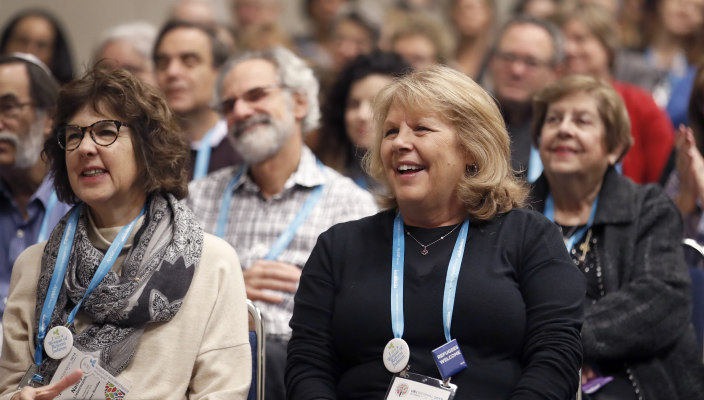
549 212
57 276
287 235
44 228
203 155
453 272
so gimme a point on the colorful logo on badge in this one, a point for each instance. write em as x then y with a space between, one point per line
401 390
112 392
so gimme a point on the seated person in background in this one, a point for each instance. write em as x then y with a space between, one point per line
591 41
29 208
685 183
273 207
187 57
129 46
127 278
625 238
38 32
421 40
347 132
441 149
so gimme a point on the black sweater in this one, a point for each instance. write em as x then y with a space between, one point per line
517 314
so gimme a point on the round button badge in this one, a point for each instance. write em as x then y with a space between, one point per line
396 355
58 342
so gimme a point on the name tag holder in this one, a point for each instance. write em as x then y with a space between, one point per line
409 386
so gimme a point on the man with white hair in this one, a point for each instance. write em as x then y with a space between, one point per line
272 208
129 46
28 205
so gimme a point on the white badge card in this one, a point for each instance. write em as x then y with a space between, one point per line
96 383
410 386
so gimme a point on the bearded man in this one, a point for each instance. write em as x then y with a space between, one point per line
272 208
28 206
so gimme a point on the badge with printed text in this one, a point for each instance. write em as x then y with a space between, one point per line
449 359
96 383
58 342
396 355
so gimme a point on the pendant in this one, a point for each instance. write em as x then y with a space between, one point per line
58 342
396 355
424 251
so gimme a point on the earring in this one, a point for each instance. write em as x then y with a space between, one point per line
471 169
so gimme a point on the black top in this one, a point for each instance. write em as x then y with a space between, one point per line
517 314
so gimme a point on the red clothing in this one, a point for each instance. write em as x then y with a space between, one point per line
652 132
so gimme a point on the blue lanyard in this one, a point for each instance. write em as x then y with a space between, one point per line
287 235
535 165
57 276
453 272
549 212
203 155
47 212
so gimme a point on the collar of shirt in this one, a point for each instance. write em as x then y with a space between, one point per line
42 193
218 136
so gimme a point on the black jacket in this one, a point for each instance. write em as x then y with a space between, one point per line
644 317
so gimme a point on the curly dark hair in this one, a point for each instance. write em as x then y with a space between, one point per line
335 148
161 150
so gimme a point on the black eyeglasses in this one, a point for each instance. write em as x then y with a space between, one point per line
104 133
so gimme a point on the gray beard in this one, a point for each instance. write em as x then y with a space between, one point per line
28 147
259 143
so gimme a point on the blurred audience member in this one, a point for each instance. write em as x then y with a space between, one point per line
187 57
474 25
249 13
591 41
675 47
346 132
537 8
527 55
29 208
685 183
38 32
273 207
129 46
422 41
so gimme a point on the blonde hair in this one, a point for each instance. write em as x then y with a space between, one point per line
612 111
490 185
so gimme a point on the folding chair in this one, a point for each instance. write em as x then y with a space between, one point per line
257 342
695 259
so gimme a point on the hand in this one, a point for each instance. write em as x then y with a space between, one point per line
50 391
587 374
690 169
271 275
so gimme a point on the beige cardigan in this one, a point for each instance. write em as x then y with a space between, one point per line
202 353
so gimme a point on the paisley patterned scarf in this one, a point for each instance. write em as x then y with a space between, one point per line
153 281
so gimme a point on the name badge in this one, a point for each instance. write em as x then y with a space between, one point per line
96 382
449 359
410 386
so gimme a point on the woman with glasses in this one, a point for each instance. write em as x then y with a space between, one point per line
127 288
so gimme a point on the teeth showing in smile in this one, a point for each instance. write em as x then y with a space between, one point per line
93 172
409 168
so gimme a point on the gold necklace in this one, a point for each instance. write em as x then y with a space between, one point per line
425 246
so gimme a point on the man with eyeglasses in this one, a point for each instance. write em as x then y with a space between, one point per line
28 205
527 55
187 57
272 208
